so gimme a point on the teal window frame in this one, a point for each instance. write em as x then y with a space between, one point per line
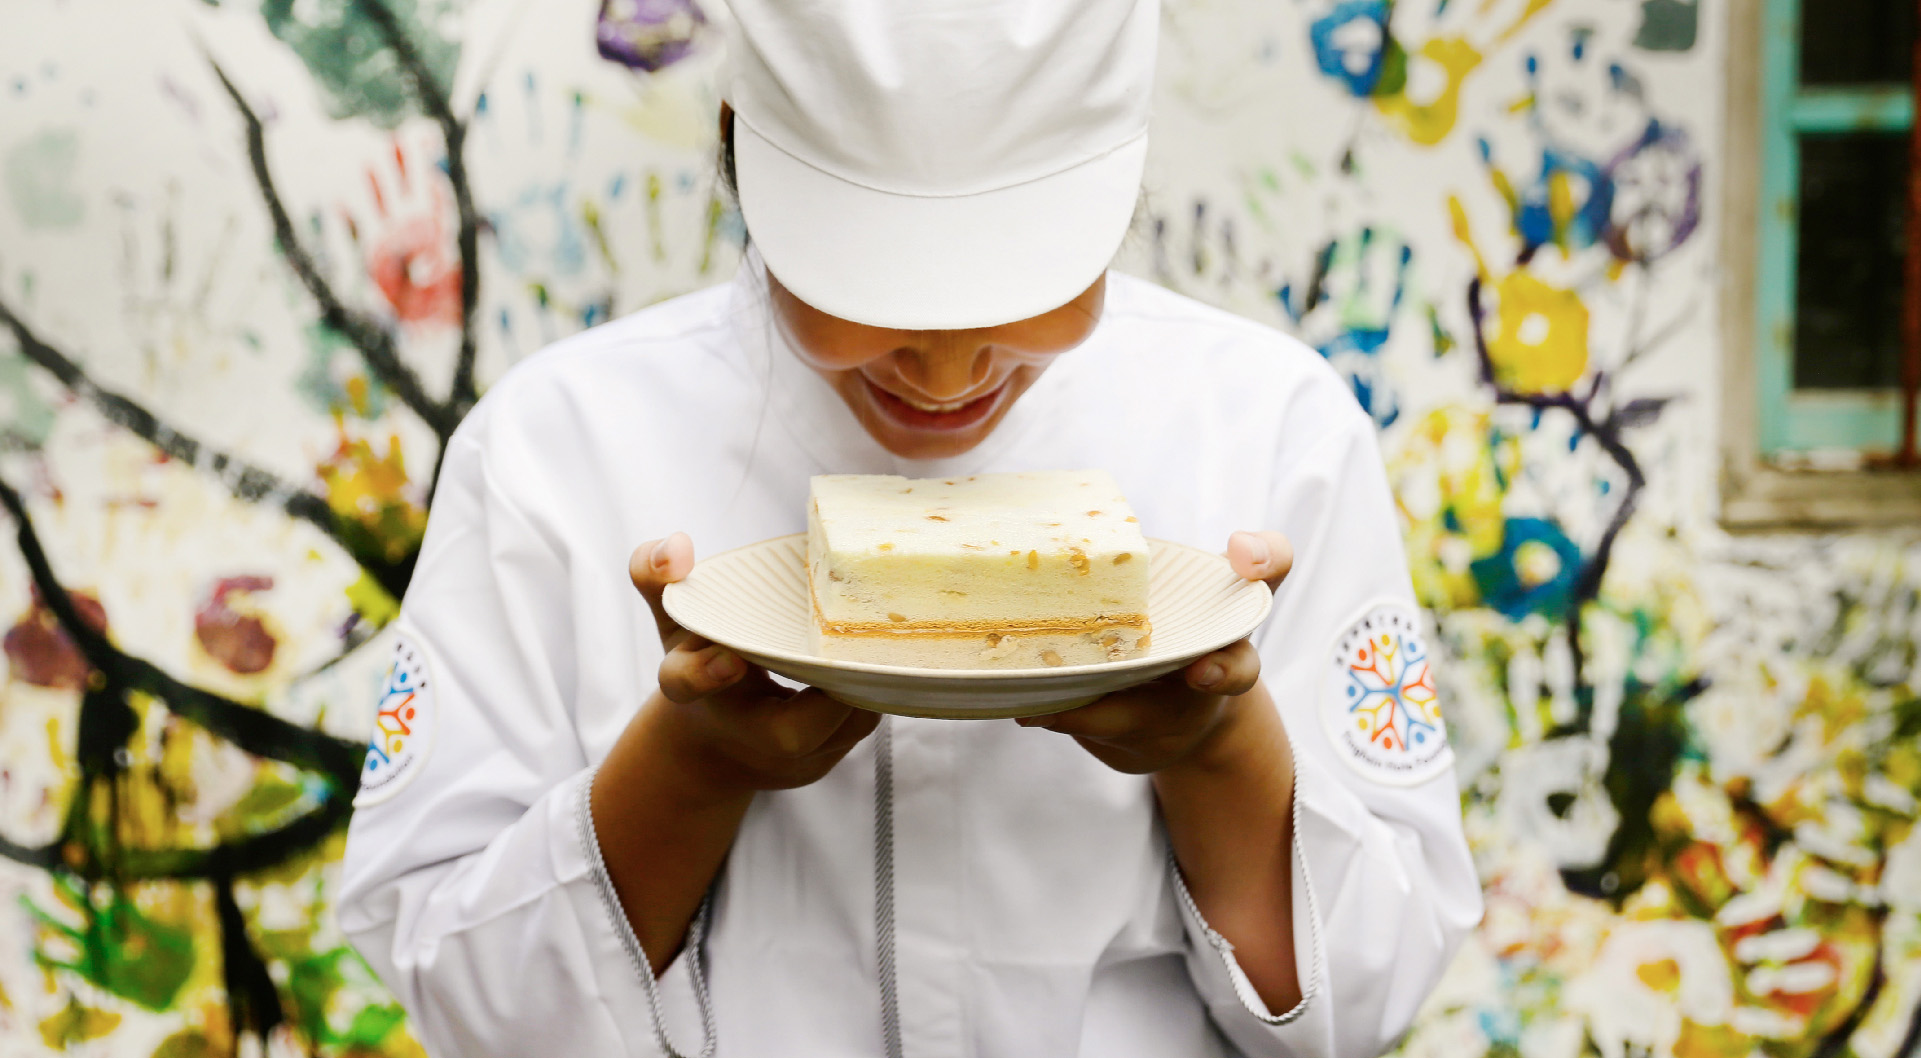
1804 420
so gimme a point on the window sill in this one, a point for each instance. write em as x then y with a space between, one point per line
1766 498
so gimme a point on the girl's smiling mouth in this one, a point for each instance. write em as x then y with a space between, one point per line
946 416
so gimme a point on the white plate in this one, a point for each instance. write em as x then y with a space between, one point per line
754 599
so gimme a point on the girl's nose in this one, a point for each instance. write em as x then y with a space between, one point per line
947 365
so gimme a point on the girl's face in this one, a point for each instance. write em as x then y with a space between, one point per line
931 394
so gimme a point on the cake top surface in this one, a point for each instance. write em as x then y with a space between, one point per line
1040 510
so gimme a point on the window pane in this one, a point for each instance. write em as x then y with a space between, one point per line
1856 41
1848 303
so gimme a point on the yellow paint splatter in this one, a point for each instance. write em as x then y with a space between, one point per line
1561 208
1536 563
654 222
1464 231
368 491
56 747
590 218
1540 338
371 601
1432 120
1453 517
77 1024
1663 975
1428 123
1712 1041
174 771
1534 7
1541 344
360 395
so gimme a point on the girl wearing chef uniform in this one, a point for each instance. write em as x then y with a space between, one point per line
585 832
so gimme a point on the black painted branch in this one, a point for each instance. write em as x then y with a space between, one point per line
374 342
1587 586
253 730
254 852
244 480
433 100
77 850
1836 1043
45 857
1911 1043
256 731
253 1003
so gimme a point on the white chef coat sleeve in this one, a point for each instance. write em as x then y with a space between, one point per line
471 882
1384 888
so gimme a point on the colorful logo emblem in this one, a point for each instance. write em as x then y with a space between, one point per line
1379 702
403 726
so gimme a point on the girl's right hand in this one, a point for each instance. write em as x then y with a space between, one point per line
728 725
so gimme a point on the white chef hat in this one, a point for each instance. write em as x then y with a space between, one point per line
932 164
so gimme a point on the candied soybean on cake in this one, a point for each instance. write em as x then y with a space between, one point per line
993 571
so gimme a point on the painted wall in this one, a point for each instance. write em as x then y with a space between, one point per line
256 261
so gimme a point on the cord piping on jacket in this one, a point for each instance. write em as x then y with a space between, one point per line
1224 948
696 933
884 886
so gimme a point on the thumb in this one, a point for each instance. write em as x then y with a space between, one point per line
1265 556
654 565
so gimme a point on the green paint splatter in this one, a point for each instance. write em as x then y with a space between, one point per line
24 417
1668 25
720 219
39 175
1443 341
187 1044
119 948
349 57
317 981
590 218
371 601
653 215
268 803
333 381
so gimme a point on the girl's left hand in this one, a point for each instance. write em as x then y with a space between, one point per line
1144 729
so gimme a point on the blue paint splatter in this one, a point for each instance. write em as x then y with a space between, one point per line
1499 575
1352 44
1362 324
537 234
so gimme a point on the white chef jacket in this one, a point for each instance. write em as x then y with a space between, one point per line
1037 909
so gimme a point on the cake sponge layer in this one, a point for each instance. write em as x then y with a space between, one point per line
986 650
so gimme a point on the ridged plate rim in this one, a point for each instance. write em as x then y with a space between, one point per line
675 595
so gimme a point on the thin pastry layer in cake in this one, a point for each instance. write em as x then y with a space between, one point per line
995 571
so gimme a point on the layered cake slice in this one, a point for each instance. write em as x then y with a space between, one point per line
998 571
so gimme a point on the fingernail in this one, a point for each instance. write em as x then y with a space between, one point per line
1211 675
1258 551
658 556
1036 721
724 665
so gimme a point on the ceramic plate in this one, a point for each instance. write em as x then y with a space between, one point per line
754 599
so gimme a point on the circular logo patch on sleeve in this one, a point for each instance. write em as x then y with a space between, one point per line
1378 700
403 725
